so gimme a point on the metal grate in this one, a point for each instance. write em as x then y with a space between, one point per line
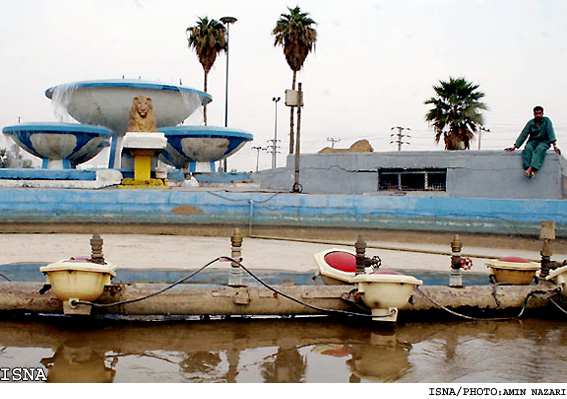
397 179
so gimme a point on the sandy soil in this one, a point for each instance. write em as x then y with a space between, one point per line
397 250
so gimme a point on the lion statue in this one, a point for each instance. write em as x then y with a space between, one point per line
142 116
359 146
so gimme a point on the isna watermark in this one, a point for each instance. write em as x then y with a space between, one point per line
22 374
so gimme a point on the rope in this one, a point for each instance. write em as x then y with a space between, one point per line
532 293
558 306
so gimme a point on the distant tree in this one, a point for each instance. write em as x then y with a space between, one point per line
3 158
456 114
295 33
208 39
13 158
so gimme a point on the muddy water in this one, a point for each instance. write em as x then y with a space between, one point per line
285 350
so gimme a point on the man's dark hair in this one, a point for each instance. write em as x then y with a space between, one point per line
538 108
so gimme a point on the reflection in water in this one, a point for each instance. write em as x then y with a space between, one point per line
76 361
285 350
288 366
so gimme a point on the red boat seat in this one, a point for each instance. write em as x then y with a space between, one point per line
343 261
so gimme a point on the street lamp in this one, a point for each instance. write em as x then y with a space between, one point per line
480 130
275 146
227 21
258 149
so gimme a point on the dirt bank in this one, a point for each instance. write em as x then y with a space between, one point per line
531 243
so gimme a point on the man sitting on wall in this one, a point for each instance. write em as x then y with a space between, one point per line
540 135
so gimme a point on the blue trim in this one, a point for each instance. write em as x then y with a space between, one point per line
206 132
113 145
47 174
56 127
134 83
219 177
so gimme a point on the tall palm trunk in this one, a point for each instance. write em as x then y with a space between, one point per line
205 106
292 118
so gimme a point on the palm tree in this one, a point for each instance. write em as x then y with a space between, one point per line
456 114
294 32
207 38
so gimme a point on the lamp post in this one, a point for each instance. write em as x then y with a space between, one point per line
275 146
227 21
258 149
480 130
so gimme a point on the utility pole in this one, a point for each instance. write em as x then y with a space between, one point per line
400 136
258 149
227 21
480 130
333 141
275 141
297 188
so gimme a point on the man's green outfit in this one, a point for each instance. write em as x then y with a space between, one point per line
539 140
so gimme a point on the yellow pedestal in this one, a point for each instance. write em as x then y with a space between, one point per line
142 171
142 164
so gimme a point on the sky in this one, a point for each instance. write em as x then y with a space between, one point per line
374 65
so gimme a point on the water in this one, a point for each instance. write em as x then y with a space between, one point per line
301 349
285 350
29 272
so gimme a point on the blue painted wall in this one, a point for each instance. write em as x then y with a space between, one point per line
124 206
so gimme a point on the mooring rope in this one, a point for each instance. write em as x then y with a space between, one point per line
525 304
558 306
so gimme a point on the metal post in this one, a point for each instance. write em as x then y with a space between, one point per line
235 274
296 186
275 146
456 278
360 247
96 249
227 21
257 155
546 234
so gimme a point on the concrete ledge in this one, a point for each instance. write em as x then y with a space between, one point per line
86 179
47 174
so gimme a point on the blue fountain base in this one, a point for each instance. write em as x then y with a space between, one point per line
47 174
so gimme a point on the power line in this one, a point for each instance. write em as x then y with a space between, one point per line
400 136
333 141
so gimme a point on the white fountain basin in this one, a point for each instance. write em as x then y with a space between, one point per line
60 145
196 148
78 280
108 102
384 292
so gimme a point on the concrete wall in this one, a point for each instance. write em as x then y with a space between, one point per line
247 210
470 174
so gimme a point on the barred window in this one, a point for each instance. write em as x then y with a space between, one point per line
400 179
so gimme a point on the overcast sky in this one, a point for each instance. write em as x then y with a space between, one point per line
374 64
